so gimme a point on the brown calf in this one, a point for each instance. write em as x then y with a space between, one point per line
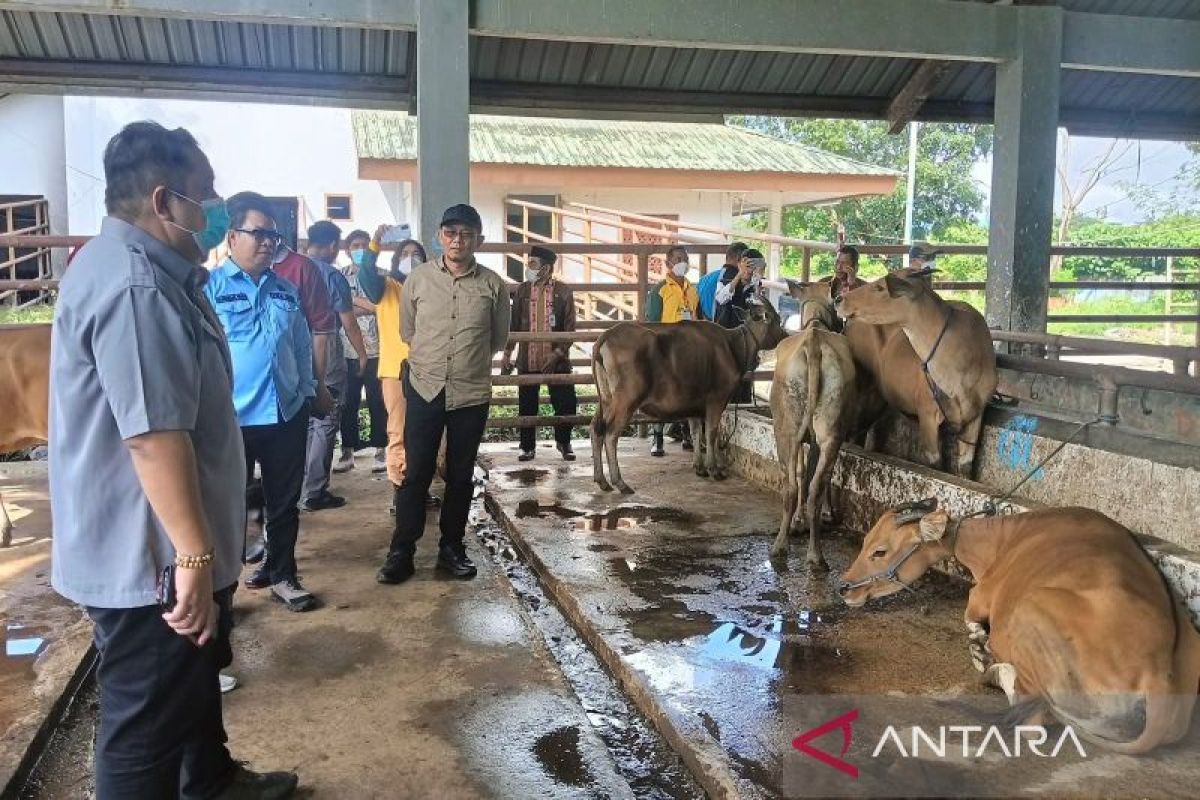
688 370
24 396
1078 620
932 359
813 401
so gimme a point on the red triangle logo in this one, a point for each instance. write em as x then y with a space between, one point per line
844 723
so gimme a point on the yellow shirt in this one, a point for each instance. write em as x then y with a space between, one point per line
676 299
392 349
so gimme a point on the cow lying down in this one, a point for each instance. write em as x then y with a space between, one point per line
1069 615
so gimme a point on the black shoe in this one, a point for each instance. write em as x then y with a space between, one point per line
256 551
323 501
293 595
526 455
454 560
259 579
247 785
567 453
397 568
656 449
687 444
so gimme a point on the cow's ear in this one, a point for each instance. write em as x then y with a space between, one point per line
933 525
796 288
897 286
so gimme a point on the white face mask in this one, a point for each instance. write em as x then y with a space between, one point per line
531 274
680 269
405 266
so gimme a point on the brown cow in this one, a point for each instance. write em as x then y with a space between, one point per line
1081 623
813 401
24 396
686 370
942 370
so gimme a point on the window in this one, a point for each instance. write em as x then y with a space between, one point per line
338 206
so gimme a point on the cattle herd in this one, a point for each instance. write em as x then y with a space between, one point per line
1068 614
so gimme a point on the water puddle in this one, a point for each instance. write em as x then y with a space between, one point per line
627 517
22 644
524 477
558 753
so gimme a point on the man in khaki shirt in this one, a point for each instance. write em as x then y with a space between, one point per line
455 318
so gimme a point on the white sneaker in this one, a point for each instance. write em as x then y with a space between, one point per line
345 461
228 683
380 464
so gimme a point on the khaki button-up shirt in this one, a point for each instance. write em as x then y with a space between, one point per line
454 327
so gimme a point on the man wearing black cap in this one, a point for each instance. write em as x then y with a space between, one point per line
921 256
543 304
455 317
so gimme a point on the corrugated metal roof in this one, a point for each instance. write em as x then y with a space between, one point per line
609 143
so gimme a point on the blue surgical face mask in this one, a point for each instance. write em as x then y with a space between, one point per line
216 222
359 257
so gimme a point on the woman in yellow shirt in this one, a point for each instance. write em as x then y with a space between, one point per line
675 299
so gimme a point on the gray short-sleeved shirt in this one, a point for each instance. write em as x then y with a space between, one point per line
133 352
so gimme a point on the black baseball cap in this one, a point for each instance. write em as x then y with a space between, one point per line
464 214
546 255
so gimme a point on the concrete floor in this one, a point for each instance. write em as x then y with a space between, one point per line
732 658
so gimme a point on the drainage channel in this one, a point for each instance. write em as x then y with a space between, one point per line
650 767
64 767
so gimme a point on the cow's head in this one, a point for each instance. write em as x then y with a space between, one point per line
904 543
816 303
891 300
763 322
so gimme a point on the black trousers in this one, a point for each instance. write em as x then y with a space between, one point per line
563 400
352 402
279 449
161 731
423 426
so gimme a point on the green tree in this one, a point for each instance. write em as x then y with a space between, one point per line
946 193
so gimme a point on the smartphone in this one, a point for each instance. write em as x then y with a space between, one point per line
396 234
165 591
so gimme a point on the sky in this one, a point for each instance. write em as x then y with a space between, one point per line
92 120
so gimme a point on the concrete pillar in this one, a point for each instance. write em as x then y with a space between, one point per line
443 119
1023 158
775 226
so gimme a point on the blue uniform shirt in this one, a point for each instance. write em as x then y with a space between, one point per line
269 342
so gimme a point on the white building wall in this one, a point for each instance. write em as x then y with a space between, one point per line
33 155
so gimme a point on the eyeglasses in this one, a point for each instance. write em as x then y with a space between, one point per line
464 235
262 235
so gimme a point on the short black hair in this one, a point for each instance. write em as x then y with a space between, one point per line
404 244
324 232
675 247
243 203
735 250
851 251
357 233
752 253
142 156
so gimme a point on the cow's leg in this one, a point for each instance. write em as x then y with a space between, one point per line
928 420
696 426
598 424
616 424
1003 676
6 526
818 488
968 440
789 460
712 418
977 646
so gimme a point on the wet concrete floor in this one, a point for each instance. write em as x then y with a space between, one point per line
733 657
43 638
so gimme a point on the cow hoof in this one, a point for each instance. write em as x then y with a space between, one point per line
981 659
817 563
701 471
624 488
6 537
719 475
604 486
779 551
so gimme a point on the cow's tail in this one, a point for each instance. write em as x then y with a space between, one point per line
600 376
812 352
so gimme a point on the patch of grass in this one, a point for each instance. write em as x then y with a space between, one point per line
26 316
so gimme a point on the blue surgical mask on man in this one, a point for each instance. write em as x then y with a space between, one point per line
216 222
359 257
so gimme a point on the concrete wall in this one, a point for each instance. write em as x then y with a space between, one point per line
33 155
867 484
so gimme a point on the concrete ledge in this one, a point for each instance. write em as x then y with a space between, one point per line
867 484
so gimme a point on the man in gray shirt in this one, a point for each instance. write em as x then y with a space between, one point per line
455 317
147 474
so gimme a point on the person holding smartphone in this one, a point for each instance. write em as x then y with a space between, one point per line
147 474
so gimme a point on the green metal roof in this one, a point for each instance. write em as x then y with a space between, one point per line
552 142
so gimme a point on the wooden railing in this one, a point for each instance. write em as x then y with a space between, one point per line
35 259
